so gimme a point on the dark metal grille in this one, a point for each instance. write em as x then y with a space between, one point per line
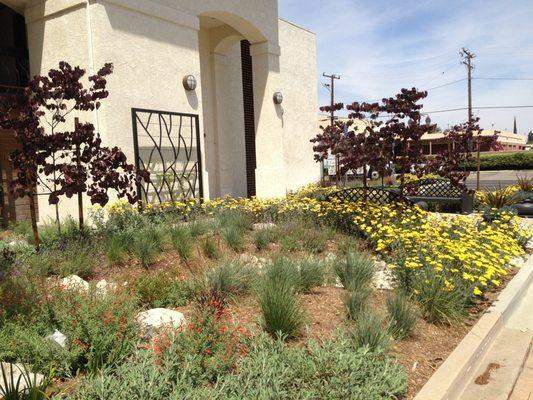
167 144
373 195
249 116
432 188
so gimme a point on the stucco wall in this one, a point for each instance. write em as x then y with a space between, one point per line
154 44
299 87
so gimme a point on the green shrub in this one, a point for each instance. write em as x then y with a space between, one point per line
371 331
355 271
312 274
27 344
330 370
522 160
315 240
356 302
283 316
153 289
180 238
348 245
116 249
234 237
263 237
78 259
402 315
210 248
101 329
291 243
439 302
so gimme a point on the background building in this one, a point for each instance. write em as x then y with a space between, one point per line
226 136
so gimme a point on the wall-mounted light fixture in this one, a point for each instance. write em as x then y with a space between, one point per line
278 98
189 82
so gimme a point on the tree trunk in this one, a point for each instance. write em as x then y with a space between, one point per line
80 194
33 215
365 194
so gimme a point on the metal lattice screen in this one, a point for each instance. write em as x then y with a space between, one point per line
433 188
167 144
373 195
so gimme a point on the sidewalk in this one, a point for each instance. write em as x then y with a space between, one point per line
506 370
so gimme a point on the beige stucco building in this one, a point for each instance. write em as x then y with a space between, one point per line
226 136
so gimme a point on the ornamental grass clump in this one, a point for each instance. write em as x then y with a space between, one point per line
312 274
371 332
441 300
145 250
356 302
282 314
402 315
355 271
210 248
263 237
234 237
229 279
180 238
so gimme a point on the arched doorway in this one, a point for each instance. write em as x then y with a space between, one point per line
228 107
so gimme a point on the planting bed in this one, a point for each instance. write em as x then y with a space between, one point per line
283 310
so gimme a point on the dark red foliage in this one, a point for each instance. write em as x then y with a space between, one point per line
391 135
462 141
72 160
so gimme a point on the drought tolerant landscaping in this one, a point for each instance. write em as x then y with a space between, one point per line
275 298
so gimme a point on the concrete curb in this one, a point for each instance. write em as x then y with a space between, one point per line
451 377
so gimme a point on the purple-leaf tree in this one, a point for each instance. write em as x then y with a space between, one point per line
67 161
461 142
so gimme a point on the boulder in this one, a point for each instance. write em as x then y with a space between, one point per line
153 320
18 376
74 282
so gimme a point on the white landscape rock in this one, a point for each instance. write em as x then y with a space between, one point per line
150 321
74 282
18 375
104 287
383 280
58 338
251 260
263 225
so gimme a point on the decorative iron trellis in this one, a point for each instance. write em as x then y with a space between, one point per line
167 144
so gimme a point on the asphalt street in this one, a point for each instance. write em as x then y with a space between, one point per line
496 179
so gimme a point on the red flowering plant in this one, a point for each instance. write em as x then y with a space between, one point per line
100 328
210 345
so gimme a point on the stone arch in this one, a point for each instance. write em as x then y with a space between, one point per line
249 31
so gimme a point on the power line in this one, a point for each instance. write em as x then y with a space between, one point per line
475 108
447 84
505 79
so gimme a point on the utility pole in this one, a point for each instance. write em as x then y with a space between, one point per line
331 87
466 59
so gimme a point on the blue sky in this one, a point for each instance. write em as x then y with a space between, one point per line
380 46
